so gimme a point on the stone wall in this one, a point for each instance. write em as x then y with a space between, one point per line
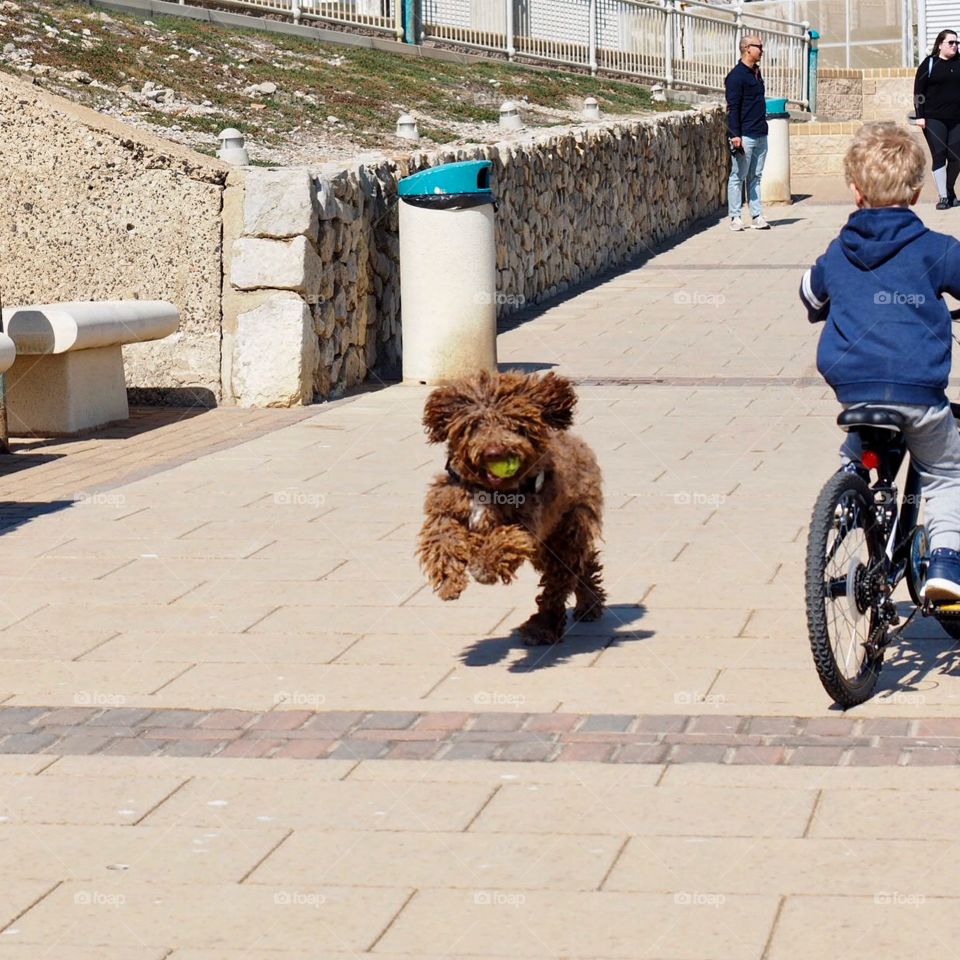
95 209
878 94
314 254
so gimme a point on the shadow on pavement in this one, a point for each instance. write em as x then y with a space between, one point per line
14 514
579 639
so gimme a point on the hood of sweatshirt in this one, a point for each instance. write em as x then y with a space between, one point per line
873 236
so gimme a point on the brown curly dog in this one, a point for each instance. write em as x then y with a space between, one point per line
518 487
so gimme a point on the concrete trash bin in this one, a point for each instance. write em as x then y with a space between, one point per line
775 183
448 272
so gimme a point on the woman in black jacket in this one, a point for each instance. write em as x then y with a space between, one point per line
936 96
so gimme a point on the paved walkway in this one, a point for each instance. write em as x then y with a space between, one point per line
234 723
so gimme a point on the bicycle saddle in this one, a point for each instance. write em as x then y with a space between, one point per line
880 418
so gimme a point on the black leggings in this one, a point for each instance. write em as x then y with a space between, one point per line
943 139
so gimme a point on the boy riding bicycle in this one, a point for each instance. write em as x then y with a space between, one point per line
887 339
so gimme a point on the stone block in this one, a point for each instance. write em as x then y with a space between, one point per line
279 204
275 354
278 264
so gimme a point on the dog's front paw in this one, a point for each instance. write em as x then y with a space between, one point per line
451 586
482 572
500 555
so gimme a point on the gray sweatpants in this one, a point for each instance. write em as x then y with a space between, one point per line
934 445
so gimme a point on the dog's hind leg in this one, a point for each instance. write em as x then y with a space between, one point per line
589 592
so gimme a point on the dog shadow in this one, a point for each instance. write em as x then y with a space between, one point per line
579 639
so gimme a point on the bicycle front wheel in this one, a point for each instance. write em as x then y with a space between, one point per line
845 563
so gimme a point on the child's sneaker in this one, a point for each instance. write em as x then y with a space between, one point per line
736 223
760 224
943 577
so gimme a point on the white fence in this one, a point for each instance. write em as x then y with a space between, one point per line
677 42
686 44
383 16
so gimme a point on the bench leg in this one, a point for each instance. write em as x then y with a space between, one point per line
57 394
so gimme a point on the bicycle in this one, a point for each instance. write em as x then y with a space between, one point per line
863 541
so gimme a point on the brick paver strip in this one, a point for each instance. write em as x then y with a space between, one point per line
537 737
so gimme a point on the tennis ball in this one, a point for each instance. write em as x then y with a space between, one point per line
505 467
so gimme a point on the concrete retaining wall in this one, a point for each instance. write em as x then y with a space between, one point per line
95 209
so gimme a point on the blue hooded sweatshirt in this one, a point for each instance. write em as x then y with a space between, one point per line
888 331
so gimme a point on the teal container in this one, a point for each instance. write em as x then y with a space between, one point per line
451 186
777 108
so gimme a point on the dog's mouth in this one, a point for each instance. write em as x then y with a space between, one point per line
502 468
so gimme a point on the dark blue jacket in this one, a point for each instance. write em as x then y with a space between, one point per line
878 286
746 102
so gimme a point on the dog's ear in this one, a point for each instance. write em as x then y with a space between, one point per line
441 407
556 398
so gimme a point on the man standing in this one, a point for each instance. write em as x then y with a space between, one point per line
747 129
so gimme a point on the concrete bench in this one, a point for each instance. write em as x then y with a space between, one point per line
68 372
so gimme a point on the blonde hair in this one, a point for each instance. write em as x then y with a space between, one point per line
886 163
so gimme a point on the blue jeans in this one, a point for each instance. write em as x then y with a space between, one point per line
747 166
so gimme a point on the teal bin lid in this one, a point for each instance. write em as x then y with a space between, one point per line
466 177
776 105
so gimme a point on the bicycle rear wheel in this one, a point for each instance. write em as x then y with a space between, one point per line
845 563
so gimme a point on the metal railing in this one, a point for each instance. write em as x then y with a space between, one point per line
383 16
684 43
679 42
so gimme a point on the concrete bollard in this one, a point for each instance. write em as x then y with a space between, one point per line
510 118
407 127
232 149
775 182
591 109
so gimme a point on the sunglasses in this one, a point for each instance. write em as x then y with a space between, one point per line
759 46
950 43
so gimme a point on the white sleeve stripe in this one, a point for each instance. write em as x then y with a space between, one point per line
808 293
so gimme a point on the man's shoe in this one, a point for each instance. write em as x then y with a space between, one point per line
760 224
943 203
736 224
943 577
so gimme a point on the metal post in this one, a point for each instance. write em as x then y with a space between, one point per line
295 10
668 43
398 20
593 36
511 48
921 29
846 14
738 20
813 55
